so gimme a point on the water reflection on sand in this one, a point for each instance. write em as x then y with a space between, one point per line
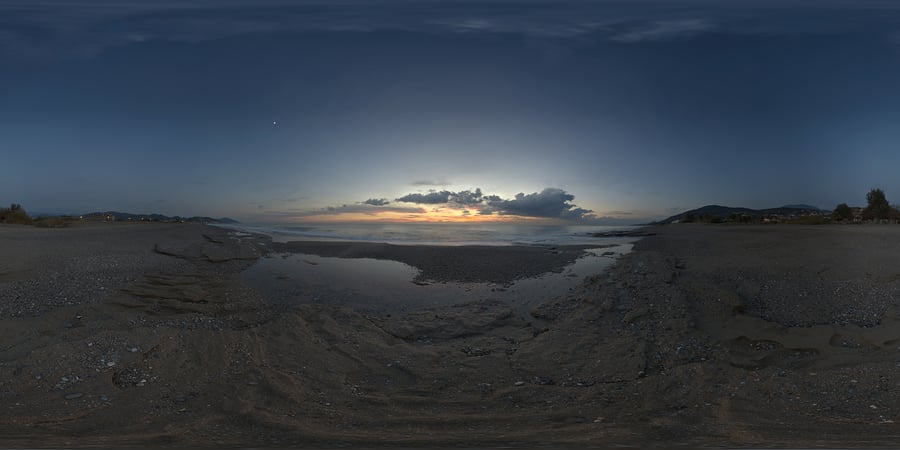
385 286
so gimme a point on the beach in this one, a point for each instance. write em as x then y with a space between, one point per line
703 335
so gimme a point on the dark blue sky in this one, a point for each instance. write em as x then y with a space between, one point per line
637 109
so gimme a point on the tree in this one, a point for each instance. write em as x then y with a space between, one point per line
878 208
842 212
14 214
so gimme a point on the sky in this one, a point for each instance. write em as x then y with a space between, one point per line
508 110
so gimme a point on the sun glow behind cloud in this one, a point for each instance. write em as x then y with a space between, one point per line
548 205
437 215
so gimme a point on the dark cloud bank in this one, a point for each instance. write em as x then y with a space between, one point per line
550 203
377 202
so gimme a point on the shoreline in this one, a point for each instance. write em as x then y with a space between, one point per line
700 336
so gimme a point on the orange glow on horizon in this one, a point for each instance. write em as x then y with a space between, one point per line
439 215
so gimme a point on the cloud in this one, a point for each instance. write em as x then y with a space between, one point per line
362 208
295 198
439 182
377 202
53 29
468 198
549 203
664 30
431 198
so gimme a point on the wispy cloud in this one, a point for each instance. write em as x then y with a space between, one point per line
358 208
664 30
440 182
78 28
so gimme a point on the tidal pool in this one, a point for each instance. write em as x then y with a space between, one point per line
379 286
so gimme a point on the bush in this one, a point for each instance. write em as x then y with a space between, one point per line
842 212
17 217
53 222
813 219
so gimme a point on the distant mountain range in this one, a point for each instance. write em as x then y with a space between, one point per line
710 212
121 216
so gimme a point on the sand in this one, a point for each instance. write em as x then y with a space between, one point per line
704 335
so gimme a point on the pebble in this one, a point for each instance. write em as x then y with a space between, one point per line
133 349
520 383
104 398
73 395
111 364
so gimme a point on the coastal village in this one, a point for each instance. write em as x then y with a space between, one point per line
878 210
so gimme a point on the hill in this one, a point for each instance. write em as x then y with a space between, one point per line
718 213
123 216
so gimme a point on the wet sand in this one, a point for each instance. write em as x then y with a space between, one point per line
467 263
704 335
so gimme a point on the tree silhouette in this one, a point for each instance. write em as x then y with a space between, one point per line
842 212
878 207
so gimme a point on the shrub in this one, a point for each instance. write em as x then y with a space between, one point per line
813 219
842 212
17 217
53 222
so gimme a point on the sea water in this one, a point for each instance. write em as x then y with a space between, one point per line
437 233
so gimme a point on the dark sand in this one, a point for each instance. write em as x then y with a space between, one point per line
705 335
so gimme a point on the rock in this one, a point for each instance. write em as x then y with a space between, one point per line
519 383
634 314
73 395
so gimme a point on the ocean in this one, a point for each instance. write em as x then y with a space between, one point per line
437 234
